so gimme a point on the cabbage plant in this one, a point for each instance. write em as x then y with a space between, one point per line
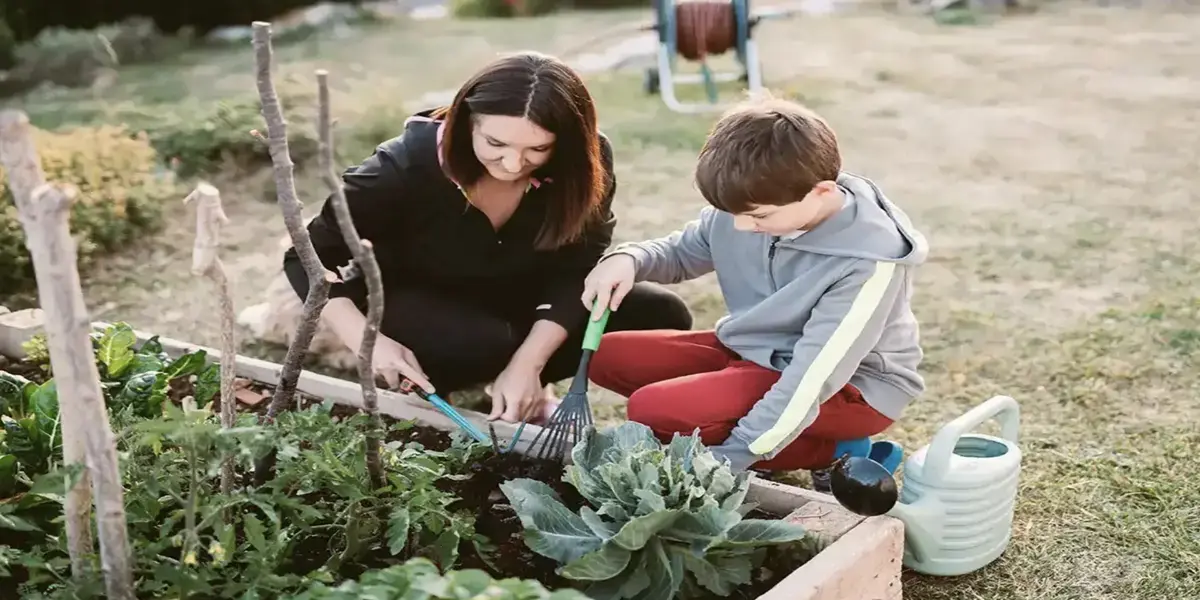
659 522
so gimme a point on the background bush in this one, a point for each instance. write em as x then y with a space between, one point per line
599 4
502 8
120 192
201 137
29 17
76 57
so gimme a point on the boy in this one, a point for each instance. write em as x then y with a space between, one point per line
820 348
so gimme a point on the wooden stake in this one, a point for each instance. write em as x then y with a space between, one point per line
319 280
87 437
24 170
364 257
210 217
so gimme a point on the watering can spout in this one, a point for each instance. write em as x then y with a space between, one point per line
922 525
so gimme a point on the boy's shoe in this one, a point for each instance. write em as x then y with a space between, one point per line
887 453
820 480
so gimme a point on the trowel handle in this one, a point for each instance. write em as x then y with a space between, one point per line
937 458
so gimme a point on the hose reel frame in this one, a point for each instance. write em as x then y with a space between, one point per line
663 78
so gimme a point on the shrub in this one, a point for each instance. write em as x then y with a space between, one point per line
198 137
601 4
119 194
502 8
76 58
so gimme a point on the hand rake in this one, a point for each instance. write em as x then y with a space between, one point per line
565 427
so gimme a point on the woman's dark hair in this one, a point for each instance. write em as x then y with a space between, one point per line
550 94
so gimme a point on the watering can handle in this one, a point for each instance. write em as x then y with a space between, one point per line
937 458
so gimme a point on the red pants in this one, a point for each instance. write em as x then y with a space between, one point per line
677 381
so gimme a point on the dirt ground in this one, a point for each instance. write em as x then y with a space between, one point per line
1050 160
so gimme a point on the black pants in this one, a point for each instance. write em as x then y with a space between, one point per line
461 345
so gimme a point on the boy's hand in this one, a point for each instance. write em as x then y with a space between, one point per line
608 283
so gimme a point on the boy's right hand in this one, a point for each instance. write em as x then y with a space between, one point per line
608 283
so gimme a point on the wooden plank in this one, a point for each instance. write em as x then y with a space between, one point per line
17 328
825 521
864 564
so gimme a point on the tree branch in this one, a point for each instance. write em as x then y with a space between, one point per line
364 256
45 213
24 171
319 279
210 217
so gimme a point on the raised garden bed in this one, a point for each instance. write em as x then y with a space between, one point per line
844 557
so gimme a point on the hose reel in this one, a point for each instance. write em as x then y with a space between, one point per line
695 30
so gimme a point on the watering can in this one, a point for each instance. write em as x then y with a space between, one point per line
958 493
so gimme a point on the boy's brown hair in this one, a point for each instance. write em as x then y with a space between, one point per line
768 151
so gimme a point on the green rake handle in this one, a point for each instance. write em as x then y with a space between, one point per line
595 329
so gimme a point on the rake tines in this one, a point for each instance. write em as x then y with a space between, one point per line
564 428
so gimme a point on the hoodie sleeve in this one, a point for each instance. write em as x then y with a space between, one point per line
372 191
680 256
845 325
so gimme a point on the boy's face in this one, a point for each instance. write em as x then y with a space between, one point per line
819 204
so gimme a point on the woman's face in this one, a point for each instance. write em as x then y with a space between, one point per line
510 148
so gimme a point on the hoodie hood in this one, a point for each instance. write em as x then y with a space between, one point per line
868 227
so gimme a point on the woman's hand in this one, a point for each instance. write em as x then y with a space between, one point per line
608 283
517 393
392 360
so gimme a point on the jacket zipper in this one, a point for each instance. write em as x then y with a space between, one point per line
771 263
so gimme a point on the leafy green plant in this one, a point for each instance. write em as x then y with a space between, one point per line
660 522
31 438
418 578
137 379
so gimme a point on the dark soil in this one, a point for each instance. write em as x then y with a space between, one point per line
23 368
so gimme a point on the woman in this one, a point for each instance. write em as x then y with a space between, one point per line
485 218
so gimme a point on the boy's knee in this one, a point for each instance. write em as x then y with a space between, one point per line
650 407
610 359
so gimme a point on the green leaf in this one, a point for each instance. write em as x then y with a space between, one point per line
43 402
398 528
721 576
637 532
603 529
191 363
666 572
702 527
14 522
550 528
683 448
12 394
8 475
208 384
445 549
152 346
255 532
144 363
605 563
763 532
56 483
116 348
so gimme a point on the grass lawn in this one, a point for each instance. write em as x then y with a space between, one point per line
1046 157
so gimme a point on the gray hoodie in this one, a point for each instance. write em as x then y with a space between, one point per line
826 308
